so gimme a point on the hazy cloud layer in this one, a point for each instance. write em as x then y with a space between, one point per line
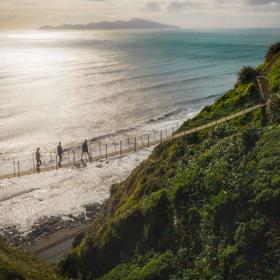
186 13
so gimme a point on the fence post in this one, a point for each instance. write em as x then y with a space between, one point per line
177 125
148 140
115 145
173 130
128 140
51 159
33 162
161 136
74 158
100 152
56 162
14 167
166 133
69 157
106 147
90 153
135 144
154 135
18 169
120 147
142 140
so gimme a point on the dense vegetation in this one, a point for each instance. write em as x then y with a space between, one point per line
202 207
16 265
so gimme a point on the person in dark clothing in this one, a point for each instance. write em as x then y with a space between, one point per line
85 149
59 153
38 160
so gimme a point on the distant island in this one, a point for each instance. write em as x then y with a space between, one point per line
134 23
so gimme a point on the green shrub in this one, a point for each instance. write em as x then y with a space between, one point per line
247 74
272 51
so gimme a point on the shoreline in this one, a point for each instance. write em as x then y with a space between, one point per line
53 247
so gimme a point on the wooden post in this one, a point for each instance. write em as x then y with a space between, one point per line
128 140
51 159
135 148
142 140
115 145
56 162
166 133
148 140
173 130
69 157
74 158
18 169
14 162
100 152
106 147
161 136
177 125
90 153
120 147
154 135
33 157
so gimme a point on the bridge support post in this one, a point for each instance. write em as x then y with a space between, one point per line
69 157
33 159
100 152
14 163
74 158
51 159
128 141
90 154
106 149
115 145
18 169
135 148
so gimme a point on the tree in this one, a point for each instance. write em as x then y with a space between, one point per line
247 74
272 51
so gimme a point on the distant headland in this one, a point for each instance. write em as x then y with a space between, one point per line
134 23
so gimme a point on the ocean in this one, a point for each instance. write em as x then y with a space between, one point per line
71 86
103 85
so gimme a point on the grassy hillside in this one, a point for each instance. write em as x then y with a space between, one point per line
202 207
16 265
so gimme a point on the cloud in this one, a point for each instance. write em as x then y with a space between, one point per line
262 2
154 6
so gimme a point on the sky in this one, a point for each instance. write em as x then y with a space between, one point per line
31 14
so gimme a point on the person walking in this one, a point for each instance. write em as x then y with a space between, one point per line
38 160
60 154
84 149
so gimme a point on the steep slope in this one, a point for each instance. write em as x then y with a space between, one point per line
202 207
16 265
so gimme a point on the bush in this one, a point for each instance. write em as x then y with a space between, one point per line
272 51
247 74
274 108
